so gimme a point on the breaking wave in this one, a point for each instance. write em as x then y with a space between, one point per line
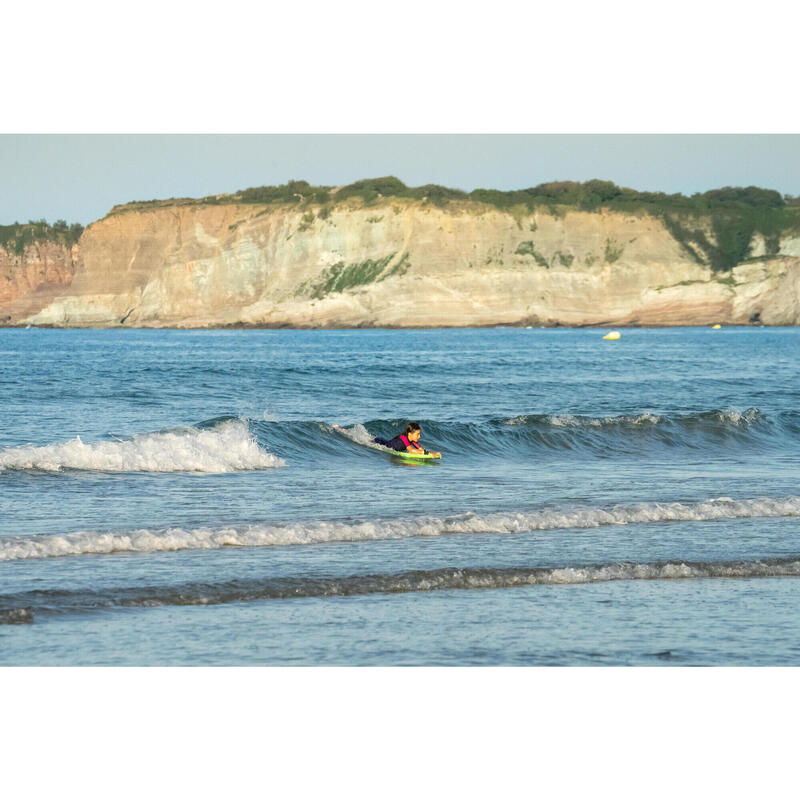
226 446
227 443
625 434
706 418
20 608
319 532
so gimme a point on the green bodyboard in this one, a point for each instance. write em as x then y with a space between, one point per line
414 456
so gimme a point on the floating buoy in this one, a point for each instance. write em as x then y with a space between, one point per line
716 327
612 335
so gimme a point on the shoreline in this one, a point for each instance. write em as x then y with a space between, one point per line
284 327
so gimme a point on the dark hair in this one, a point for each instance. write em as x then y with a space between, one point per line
410 428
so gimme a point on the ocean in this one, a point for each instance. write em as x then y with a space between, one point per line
183 498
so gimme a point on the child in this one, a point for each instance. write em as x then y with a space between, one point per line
407 441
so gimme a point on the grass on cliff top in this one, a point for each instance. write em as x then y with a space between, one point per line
715 228
15 238
592 195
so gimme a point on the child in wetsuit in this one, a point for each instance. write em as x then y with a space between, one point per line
407 441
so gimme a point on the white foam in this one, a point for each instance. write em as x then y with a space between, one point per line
676 570
564 421
730 415
360 435
570 421
228 447
306 533
738 417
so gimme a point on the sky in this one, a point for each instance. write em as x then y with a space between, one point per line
79 177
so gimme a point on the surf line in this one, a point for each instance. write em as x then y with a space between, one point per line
321 531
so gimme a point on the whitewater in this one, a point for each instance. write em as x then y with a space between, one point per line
145 541
225 448
216 497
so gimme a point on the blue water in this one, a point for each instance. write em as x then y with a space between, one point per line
182 497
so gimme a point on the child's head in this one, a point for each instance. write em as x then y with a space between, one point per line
412 432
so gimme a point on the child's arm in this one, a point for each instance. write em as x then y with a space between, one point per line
416 448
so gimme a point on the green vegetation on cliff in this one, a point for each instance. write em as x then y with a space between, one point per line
732 215
15 238
341 276
714 227
732 227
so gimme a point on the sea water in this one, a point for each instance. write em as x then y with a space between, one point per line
183 497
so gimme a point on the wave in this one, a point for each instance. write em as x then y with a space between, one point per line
319 532
708 418
624 434
227 443
218 446
360 435
20 608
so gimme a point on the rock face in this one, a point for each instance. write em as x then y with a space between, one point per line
40 272
398 263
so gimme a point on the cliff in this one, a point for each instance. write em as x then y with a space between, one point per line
398 261
43 269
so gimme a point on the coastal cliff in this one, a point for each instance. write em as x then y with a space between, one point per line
398 261
42 266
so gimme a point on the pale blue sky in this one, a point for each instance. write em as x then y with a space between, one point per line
79 177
